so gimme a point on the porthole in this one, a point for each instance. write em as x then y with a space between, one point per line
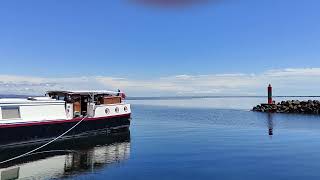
107 111
125 109
117 110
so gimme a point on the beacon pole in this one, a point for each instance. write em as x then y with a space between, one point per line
269 94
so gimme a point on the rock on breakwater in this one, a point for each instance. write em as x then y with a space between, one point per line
291 106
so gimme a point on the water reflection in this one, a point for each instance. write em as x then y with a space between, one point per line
66 158
270 124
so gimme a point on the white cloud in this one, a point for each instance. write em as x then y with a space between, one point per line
302 81
294 72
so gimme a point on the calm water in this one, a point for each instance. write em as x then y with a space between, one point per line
188 139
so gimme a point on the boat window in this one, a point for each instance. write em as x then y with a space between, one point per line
10 112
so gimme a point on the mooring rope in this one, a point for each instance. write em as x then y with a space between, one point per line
40 147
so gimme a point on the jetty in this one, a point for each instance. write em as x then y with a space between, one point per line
288 106
291 106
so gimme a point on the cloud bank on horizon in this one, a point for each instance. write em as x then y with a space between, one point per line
290 81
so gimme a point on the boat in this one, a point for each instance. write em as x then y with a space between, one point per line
68 113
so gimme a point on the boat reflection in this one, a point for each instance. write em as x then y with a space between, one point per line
66 158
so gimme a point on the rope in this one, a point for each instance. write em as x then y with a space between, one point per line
36 149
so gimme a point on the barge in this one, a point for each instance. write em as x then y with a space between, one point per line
39 119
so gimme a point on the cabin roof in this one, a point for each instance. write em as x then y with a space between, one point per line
85 92
29 100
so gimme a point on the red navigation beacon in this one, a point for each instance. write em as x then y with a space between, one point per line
270 94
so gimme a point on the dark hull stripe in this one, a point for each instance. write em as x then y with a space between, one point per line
39 133
60 121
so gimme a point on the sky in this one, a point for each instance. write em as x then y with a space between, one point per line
225 47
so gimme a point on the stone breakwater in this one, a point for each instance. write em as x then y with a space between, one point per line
291 106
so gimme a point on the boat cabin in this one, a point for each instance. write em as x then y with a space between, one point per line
59 105
79 102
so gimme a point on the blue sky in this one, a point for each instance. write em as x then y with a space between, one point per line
57 39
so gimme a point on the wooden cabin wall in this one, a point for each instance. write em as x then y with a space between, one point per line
111 100
77 107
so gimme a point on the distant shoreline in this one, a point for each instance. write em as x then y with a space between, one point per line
204 97
171 97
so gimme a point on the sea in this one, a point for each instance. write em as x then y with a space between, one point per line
187 139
